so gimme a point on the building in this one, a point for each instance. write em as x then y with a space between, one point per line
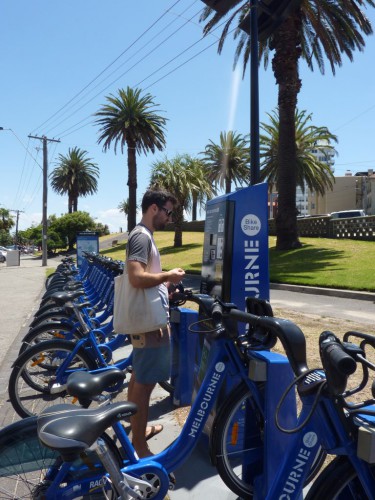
350 192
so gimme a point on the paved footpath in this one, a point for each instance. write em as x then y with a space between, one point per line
21 288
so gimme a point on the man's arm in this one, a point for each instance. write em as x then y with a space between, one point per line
140 278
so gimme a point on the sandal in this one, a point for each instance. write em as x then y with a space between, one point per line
154 430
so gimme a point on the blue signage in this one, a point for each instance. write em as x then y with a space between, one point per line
87 241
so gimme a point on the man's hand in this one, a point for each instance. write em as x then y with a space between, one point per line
175 275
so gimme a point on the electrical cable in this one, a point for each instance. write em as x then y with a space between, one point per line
109 65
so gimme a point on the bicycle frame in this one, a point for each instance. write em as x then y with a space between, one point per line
89 344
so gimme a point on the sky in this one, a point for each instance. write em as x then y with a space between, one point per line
60 60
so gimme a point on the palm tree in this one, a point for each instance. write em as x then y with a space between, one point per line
228 161
311 172
317 30
130 119
178 176
203 190
6 220
123 206
76 175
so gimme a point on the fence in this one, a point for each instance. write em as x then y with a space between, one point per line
356 228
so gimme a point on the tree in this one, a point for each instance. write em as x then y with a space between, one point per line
130 119
203 189
311 172
123 206
69 225
178 176
101 229
317 30
228 161
6 220
75 176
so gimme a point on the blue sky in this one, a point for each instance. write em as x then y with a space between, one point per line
60 59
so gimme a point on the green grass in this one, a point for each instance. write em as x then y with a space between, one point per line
320 262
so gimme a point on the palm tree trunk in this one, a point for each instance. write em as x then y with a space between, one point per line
70 204
285 68
228 184
194 207
179 218
132 184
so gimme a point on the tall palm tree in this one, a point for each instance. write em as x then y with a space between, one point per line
76 175
130 120
311 172
316 31
228 161
178 176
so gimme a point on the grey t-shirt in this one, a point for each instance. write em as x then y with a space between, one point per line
141 247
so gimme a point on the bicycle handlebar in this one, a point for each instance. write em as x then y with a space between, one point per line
338 365
290 335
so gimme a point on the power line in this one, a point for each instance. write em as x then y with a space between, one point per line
127 71
109 65
64 134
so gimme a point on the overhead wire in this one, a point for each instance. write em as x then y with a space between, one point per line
109 65
118 68
124 73
65 134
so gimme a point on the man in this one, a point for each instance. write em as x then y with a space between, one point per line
151 350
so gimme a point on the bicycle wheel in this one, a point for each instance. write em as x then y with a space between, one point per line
338 481
48 331
34 373
24 462
237 455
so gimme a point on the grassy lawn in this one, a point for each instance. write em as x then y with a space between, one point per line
320 262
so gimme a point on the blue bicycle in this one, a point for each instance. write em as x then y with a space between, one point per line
262 448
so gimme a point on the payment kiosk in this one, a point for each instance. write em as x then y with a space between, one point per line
235 249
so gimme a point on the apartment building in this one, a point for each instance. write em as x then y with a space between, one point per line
349 192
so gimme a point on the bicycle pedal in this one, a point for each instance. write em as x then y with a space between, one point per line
172 481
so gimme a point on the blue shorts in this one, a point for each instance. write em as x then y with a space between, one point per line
152 364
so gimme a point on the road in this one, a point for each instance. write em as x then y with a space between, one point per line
360 311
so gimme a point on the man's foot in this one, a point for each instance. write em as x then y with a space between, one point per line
153 430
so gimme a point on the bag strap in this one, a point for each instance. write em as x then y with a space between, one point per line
137 229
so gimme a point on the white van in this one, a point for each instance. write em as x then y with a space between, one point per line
347 214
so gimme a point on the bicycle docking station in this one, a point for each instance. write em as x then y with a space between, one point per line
235 269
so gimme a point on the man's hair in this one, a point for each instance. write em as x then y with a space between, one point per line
157 196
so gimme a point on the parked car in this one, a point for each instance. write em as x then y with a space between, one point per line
3 254
347 214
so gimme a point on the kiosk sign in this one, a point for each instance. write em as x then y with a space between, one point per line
235 250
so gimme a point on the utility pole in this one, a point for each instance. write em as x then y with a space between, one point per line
18 212
45 190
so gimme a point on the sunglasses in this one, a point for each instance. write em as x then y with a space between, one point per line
169 213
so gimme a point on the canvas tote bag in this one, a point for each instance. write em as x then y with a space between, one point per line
137 310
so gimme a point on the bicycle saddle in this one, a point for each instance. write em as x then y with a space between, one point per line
60 298
86 385
71 430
